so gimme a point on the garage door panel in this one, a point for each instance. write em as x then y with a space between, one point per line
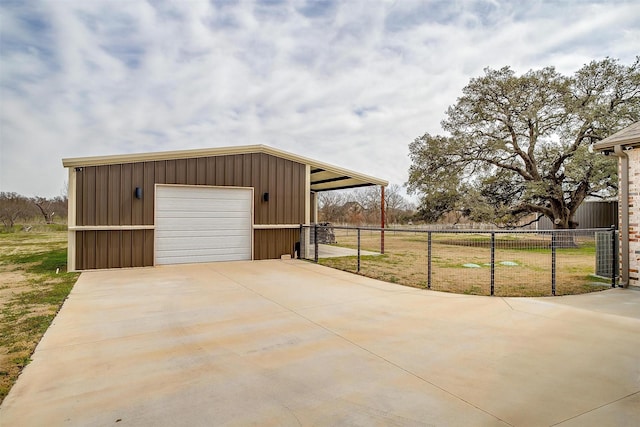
184 205
240 217
205 234
190 259
219 244
204 193
202 224
210 255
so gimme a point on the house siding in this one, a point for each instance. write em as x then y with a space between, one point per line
105 197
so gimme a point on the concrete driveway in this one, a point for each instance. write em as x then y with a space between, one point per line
293 343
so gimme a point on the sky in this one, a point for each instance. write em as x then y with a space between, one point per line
350 83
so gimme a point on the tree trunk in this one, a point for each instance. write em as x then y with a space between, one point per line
563 226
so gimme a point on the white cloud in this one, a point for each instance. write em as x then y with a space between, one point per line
350 83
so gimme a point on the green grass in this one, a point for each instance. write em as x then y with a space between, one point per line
405 262
36 262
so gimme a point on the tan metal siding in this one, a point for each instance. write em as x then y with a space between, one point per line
271 244
113 249
148 188
105 196
126 192
160 172
201 172
114 260
113 204
137 205
261 169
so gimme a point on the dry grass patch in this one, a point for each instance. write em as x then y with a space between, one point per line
461 263
33 285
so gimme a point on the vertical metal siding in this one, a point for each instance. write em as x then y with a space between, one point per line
113 202
201 171
137 205
598 214
148 188
114 261
126 192
271 244
105 196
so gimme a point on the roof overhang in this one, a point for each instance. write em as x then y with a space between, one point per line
627 137
324 177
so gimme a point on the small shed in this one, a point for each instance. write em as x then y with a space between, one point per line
625 145
218 204
590 214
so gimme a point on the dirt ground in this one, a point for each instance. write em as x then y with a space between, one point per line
33 285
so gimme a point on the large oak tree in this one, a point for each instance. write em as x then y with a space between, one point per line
518 145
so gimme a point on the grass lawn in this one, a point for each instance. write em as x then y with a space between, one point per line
461 263
33 285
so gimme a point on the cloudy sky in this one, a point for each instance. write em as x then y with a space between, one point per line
345 82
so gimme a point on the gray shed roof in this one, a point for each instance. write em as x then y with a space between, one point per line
629 136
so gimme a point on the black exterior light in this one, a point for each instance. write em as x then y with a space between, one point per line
138 193
265 197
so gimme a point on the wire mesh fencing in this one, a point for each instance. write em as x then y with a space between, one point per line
498 262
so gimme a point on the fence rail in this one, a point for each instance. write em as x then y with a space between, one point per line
483 262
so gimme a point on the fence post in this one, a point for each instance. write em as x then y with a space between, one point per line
428 260
315 243
358 250
493 262
553 263
614 258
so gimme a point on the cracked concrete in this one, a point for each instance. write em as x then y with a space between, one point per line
294 343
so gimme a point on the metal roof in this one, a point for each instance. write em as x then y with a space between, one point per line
629 136
324 177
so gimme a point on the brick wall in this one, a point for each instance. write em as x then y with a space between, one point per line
634 216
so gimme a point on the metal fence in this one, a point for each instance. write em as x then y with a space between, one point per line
479 262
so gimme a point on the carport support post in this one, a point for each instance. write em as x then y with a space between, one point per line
382 219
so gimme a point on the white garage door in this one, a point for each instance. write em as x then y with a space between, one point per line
202 224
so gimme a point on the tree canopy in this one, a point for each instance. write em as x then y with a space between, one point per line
519 145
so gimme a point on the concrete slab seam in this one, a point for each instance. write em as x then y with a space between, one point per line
596 408
507 302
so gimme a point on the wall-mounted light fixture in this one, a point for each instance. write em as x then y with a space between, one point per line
138 193
265 197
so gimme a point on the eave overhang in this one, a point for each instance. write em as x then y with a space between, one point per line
627 137
324 177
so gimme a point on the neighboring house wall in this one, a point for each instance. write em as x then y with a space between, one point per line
105 197
634 216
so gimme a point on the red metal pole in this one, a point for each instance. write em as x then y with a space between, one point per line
382 209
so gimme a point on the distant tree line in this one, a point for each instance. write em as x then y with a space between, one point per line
15 208
362 206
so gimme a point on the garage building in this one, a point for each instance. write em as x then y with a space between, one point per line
218 204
